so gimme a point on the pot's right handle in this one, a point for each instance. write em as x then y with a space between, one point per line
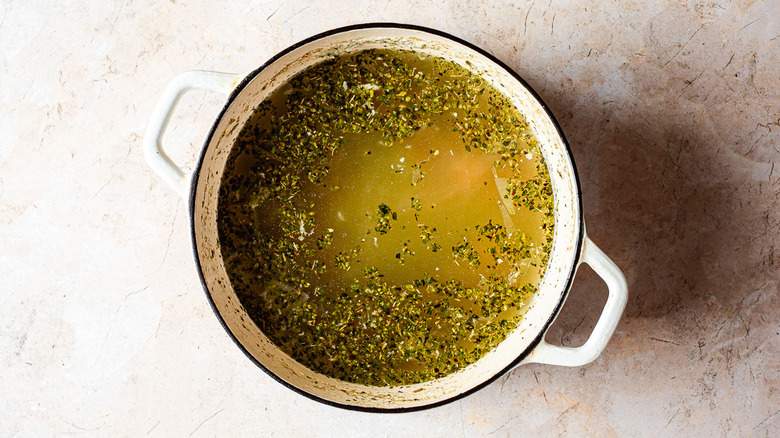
616 301
158 160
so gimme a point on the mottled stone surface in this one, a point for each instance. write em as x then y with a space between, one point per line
672 109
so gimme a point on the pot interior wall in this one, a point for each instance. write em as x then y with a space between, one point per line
540 312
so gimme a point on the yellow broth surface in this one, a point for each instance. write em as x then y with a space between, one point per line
385 217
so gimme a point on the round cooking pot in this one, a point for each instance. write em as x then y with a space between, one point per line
570 247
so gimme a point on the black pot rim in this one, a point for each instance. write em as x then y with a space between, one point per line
240 87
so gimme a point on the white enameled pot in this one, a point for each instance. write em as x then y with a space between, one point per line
570 245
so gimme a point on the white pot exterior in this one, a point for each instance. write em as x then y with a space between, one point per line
570 245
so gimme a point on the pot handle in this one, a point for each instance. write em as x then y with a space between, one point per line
158 160
616 301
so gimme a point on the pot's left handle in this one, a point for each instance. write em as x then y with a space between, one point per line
159 161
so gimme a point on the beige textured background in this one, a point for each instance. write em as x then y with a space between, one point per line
672 109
